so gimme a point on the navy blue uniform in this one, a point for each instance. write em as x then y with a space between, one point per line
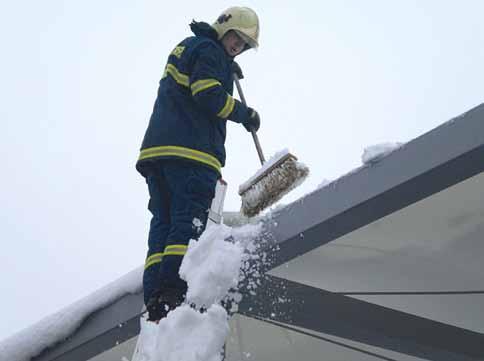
183 151
193 104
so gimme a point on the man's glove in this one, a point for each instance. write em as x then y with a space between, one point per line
236 69
252 121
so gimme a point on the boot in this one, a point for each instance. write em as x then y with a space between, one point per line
163 302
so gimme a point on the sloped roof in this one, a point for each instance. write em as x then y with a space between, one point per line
432 163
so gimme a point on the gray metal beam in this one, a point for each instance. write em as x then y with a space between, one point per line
325 312
381 205
428 164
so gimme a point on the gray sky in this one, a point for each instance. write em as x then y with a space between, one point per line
78 84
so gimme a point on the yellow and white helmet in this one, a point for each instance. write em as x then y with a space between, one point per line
243 21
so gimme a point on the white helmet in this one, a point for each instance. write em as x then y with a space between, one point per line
243 21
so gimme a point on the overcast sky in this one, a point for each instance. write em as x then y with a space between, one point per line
78 82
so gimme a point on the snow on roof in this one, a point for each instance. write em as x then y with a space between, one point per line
55 328
377 152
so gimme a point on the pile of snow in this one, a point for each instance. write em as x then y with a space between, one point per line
185 335
375 153
55 328
212 267
323 183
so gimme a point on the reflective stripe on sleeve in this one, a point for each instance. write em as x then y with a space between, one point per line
180 78
228 107
203 84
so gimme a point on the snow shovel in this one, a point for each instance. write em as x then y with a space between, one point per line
277 177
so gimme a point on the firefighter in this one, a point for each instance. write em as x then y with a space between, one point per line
183 149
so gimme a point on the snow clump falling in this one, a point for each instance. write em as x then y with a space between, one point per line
213 267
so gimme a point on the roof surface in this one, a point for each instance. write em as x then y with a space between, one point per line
436 161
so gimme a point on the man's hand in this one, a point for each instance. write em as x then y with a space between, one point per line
236 69
252 121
